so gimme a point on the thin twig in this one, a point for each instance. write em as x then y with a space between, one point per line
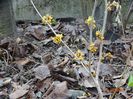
100 51
91 30
94 8
93 13
101 45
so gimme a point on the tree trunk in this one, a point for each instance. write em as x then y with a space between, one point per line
7 22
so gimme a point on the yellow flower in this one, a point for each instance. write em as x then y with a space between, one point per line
99 35
94 26
92 48
79 55
57 39
113 4
91 22
108 55
116 4
109 8
47 19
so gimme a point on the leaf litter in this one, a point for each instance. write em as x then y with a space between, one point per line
32 66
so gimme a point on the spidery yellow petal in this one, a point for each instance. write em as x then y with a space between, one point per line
79 55
57 39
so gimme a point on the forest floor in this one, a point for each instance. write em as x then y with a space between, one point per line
32 66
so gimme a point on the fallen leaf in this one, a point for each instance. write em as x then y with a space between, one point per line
46 41
41 72
59 92
21 50
87 82
106 69
31 95
82 71
124 93
115 90
19 92
62 64
23 61
121 80
35 31
46 58
44 84
4 43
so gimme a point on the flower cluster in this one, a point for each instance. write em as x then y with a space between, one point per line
79 55
108 55
92 48
57 39
99 35
91 22
115 4
47 19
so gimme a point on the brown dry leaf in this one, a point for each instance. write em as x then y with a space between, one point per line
21 50
106 69
62 64
44 84
19 92
39 33
23 61
42 71
31 95
125 94
4 43
115 90
59 92
121 80
88 83
3 94
36 31
46 58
